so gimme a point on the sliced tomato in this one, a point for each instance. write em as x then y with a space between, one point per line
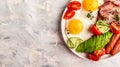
93 57
74 5
115 27
69 14
95 30
99 53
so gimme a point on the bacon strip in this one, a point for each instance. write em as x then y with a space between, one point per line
108 11
116 2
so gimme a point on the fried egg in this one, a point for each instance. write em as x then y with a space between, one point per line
83 31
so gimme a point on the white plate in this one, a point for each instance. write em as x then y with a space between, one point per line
81 55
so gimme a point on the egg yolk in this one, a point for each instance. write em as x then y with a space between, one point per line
75 26
90 5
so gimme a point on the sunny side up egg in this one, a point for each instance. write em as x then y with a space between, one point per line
83 32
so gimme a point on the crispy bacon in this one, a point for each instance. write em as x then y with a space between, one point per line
108 11
116 2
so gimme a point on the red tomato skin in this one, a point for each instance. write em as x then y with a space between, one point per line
74 5
95 30
69 14
99 53
115 28
93 57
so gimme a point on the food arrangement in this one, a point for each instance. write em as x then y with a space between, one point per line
91 28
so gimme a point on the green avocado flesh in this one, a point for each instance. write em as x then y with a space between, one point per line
94 43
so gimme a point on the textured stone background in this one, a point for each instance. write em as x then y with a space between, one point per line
30 36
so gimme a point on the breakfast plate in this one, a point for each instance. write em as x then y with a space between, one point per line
80 24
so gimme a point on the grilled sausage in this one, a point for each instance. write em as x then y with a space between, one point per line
112 43
116 48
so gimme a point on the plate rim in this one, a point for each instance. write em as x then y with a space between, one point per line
73 51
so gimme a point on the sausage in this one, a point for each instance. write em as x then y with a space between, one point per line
116 48
112 43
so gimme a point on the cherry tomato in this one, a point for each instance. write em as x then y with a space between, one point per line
95 30
69 14
99 53
115 27
74 5
93 57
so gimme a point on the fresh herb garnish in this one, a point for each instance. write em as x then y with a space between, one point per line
90 16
